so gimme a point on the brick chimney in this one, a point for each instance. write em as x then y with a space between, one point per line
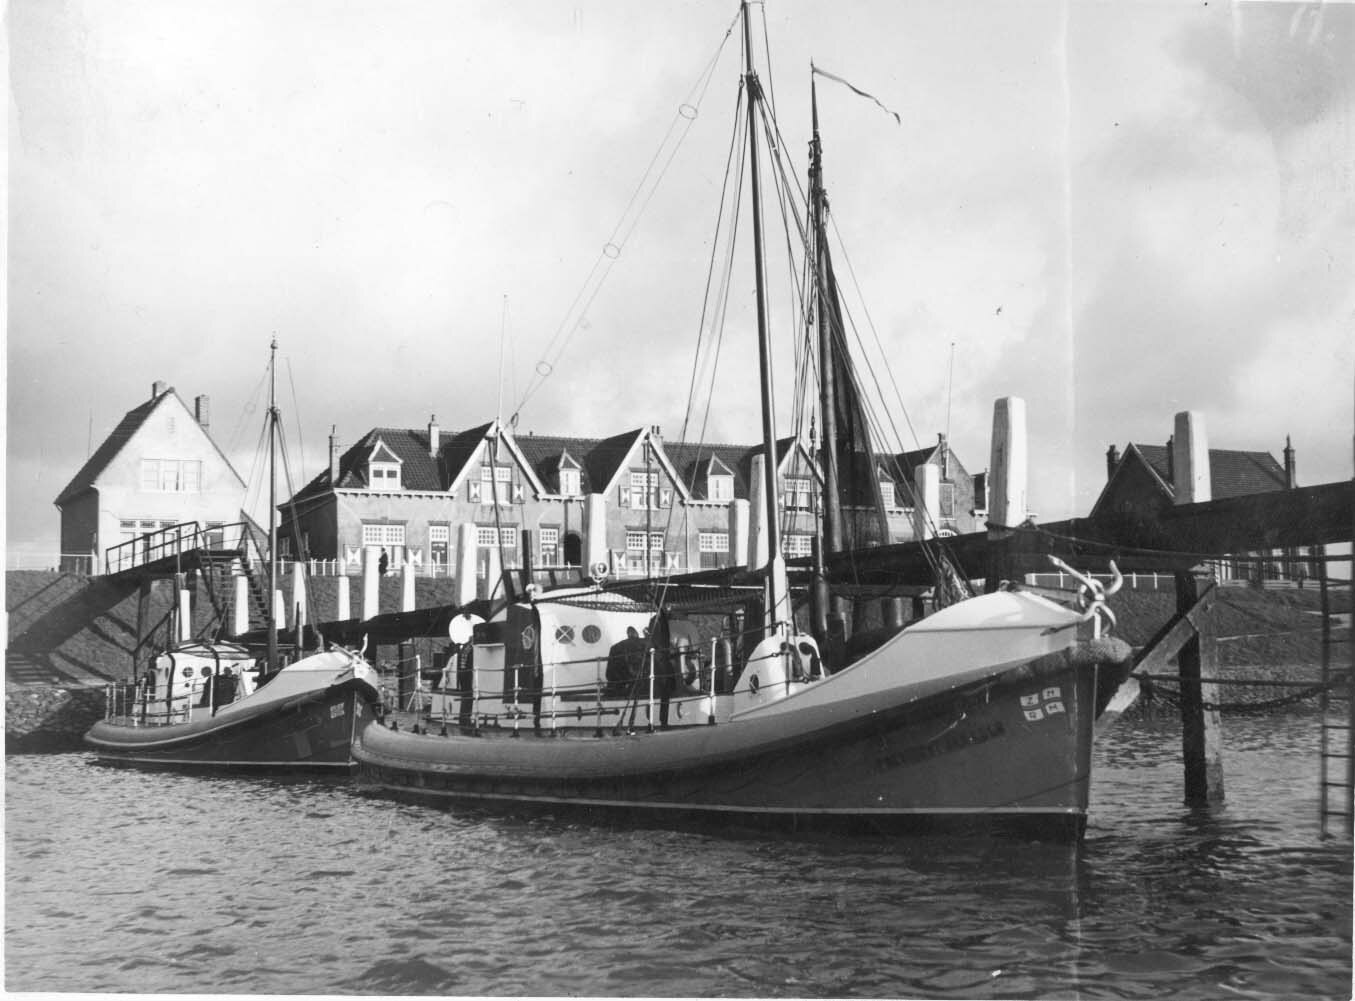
333 455
433 437
1291 479
1171 471
157 389
202 410
1112 460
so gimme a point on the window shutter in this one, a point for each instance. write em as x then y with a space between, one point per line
518 494
473 491
624 499
665 498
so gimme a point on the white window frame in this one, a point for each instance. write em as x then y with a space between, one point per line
797 493
383 476
439 533
571 483
635 542
720 487
887 493
797 545
378 534
712 542
171 476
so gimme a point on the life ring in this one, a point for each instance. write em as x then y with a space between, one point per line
599 570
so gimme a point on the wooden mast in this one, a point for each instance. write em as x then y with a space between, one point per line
832 509
776 597
272 508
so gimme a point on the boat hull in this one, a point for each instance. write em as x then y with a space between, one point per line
304 718
1009 752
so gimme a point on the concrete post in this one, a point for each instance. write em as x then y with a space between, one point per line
371 582
299 595
344 600
757 513
240 607
185 610
927 500
407 586
1009 464
465 565
1190 459
595 530
738 532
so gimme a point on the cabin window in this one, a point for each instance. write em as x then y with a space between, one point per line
720 487
570 485
797 493
383 476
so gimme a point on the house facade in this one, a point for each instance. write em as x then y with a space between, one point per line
633 503
159 467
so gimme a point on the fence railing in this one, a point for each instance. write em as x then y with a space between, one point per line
172 541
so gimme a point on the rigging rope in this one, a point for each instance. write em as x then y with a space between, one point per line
575 316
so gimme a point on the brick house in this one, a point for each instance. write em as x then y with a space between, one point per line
159 467
632 501
1141 484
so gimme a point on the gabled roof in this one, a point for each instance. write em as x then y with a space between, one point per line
544 454
1232 473
108 450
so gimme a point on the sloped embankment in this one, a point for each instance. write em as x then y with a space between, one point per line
1272 634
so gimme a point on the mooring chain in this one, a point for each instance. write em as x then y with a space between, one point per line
1173 696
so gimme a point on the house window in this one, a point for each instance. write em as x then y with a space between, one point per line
720 488
383 535
799 545
439 538
656 542
713 548
797 493
644 490
487 536
887 492
550 546
570 485
383 476
171 476
500 474
635 542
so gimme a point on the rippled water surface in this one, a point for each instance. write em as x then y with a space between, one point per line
123 881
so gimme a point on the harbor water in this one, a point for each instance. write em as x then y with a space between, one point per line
122 881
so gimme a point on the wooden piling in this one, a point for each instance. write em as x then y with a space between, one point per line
1201 726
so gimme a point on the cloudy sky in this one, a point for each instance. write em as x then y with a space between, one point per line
1114 210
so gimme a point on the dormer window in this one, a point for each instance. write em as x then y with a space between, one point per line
571 479
887 492
383 469
384 476
797 493
720 487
